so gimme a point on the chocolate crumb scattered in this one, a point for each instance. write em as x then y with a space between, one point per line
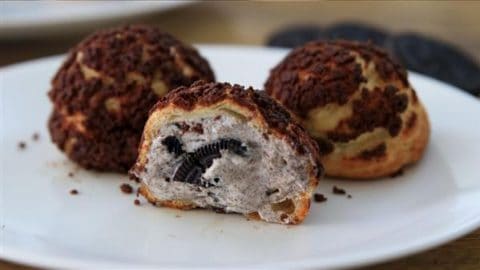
73 192
35 136
70 174
317 197
22 145
349 196
338 191
138 192
178 216
136 202
126 188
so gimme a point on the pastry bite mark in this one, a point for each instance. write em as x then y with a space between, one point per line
230 165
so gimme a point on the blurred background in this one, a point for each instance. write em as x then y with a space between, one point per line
41 28
445 44
30 30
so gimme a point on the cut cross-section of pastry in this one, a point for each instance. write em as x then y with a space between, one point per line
231 149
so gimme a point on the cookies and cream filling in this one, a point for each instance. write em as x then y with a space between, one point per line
223 161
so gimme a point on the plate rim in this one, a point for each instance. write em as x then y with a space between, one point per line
31 27
365 258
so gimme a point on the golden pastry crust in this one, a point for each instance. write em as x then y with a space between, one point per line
357 103
259 109
102 93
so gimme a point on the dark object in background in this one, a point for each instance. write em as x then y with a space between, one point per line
358 32
437 59
421 54
295 36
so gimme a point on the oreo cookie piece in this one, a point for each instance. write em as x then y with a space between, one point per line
294 36
437 59
357 32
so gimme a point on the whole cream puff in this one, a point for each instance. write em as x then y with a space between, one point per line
102 93
357 103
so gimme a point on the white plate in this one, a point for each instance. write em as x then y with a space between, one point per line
31 18
43 225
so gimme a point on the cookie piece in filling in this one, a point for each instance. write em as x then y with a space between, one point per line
228 155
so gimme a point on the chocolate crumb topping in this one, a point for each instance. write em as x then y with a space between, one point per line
136 202
70 174
35 136
338 191
126 188
376 152
324 72
325 146
374 109
73 192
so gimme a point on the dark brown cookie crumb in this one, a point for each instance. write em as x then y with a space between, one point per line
374 153
35 136
283 217
183 126
126 188
73 192
198 128
22 145
317 197
70 174
271 191
338 191
132 177
349 196
136 202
